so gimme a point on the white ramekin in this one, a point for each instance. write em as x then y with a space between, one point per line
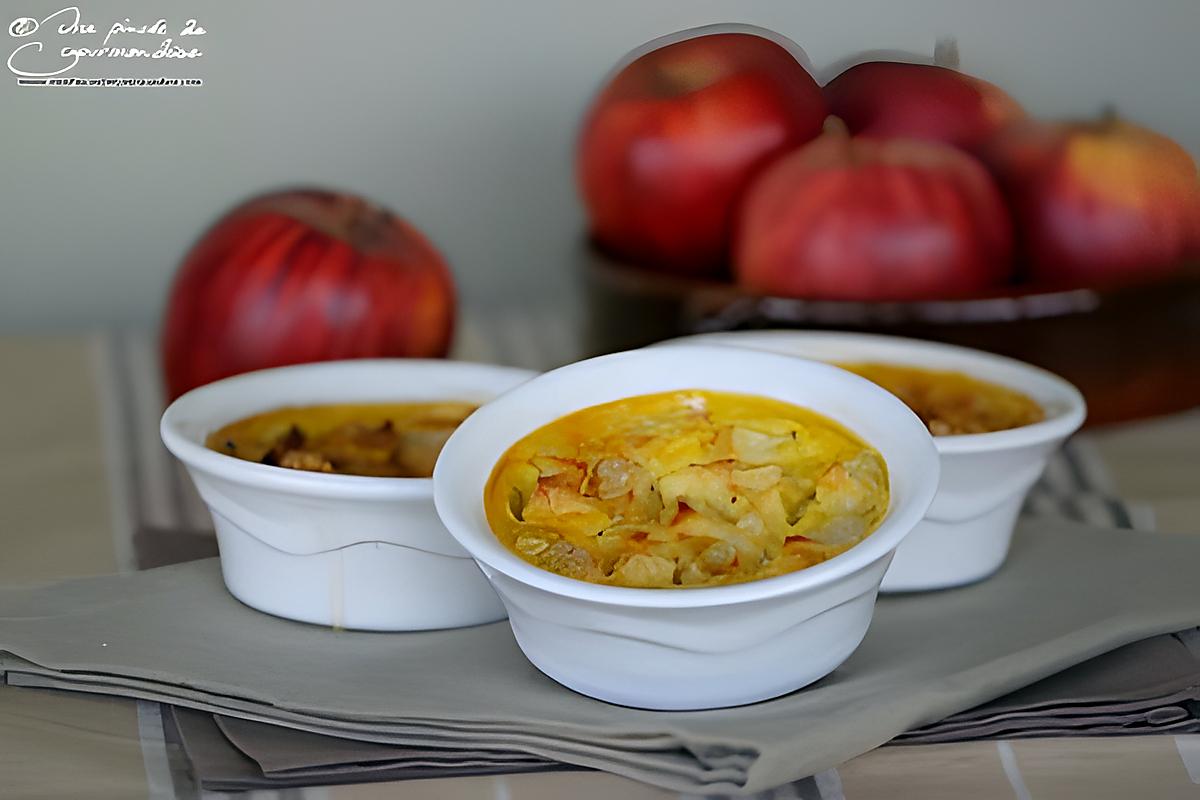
985 476
340 550
688 648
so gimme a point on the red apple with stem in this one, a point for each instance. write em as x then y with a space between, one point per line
299 276
888 99
670 143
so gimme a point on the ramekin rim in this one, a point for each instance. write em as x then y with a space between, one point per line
1056 427
879 544
315 484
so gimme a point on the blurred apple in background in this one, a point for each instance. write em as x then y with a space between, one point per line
941 190
300 276
865 219
886 99
1097 201
670 143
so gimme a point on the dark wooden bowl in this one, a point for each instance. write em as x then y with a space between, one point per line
1133 350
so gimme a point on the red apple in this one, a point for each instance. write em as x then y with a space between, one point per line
671 142
1097 201
303 276
887 99
863 219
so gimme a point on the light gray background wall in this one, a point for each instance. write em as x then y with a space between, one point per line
459 115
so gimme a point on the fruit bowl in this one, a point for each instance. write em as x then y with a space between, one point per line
1132 349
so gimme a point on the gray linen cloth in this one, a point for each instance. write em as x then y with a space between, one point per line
217 749
1151 686
1067 594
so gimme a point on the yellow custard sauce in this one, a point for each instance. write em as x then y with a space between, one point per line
390 440
685 489
952 402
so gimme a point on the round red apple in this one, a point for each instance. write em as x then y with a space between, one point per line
671 142
303 276
863 219
1097 201
887 99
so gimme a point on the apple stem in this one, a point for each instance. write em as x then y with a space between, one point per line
1108 114
366 224
945 52
835 126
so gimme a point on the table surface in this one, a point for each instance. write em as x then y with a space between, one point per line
67 508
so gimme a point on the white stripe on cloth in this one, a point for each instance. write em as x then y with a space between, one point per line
169 498
540 339
1142 516
299 793
563 337
194 512
1189 750
159 785
122 490
126 498
1008 760
1056 479
829 784
474 343
500 788
159 504
1091 463
825 785
525 345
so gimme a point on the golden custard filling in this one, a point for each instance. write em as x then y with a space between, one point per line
382 440
951 402
684 489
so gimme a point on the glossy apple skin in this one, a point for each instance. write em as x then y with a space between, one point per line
669 145
885 99
860 219
301 276
1097 202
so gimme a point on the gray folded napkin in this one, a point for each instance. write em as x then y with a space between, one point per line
1151 686
1067 594
230 755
